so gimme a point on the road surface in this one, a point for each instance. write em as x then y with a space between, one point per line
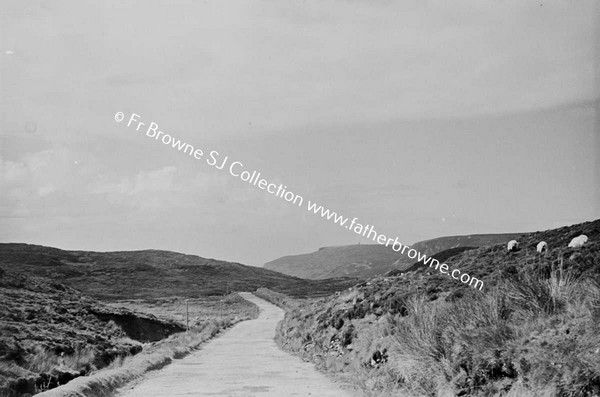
244 361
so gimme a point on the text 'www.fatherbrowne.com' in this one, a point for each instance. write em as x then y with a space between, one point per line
255 178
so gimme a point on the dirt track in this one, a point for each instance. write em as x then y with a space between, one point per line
245 361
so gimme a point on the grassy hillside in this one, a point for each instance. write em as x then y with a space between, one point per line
153 274
368 260
50 333
448 243
442 257
533 331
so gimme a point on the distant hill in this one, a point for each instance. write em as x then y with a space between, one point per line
367 260
153 274
362 260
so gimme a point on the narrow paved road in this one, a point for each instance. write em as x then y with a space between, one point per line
244 361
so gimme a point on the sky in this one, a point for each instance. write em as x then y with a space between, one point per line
421 118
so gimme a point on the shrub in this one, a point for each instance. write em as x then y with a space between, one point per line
44 360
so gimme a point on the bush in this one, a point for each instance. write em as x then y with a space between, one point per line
534 332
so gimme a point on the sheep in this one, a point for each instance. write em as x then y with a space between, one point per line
578 241
542 247
512 246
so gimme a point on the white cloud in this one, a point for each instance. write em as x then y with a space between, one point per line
282 65
38 174
159 180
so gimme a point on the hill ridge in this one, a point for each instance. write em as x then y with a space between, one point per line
152 273
368 260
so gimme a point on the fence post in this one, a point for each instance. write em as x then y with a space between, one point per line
187 316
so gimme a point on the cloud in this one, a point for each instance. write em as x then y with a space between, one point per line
159 180
282 65
38 174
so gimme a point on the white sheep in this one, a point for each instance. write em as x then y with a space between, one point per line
542 247
578 241
513 245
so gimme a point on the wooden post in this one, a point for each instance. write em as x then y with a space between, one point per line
187 316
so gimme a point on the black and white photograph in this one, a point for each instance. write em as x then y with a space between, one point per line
278 198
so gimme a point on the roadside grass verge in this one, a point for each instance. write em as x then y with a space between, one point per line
200 309
50 335
533 334
278 299
153 356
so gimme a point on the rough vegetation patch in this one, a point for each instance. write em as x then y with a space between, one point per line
534 330
51 334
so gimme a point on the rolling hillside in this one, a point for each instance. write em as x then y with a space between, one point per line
153 274
50 333
364 261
